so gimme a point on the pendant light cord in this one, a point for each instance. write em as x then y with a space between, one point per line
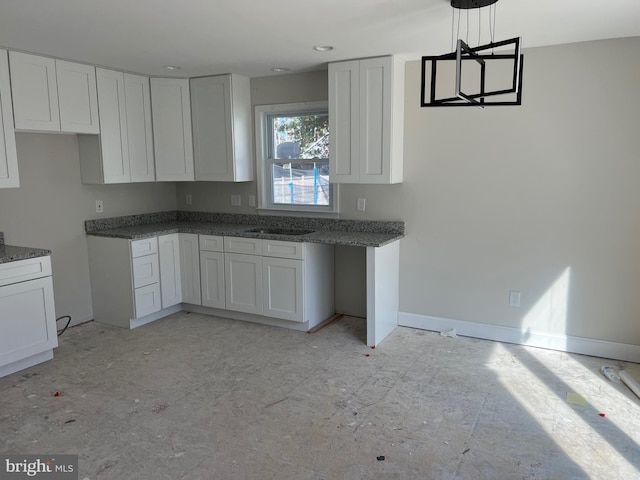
479 25
453 17
467 26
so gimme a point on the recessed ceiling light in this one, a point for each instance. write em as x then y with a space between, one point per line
171 67
279 69
322 48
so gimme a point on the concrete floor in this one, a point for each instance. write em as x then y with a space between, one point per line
196 397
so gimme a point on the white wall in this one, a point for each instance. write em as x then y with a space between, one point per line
51 205
543 198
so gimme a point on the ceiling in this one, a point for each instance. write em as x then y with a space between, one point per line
250 37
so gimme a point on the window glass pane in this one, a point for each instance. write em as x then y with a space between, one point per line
299 136
301 183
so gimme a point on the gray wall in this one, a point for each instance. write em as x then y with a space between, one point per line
216 196
542 198
51 205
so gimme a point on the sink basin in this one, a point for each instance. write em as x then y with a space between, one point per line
279 231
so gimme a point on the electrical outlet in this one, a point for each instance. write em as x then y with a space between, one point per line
236 200
361 204
188 199
99 206
514 298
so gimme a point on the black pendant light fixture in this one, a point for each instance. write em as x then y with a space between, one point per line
483 76
468 4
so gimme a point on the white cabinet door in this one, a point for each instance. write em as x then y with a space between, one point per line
375 118
144 246
147 300
212 279
171 112
35 92
27 320
139 129
283 288
190 268
243 283
170 280
221 114
8 156
113 122
366 118
146 270
77 97
344 122
212 243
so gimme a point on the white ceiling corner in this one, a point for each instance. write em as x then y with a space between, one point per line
249 37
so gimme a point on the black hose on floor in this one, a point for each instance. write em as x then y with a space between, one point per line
68 317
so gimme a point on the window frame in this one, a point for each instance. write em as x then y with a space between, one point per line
264 163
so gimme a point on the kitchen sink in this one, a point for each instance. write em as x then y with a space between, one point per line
279 231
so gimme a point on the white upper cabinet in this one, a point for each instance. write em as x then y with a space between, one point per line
123 152
366 119
8 157
77 97
173 145
221 114
139 128
53 95
35 92
111 150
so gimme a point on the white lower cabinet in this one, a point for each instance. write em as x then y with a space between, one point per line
27 314
170 275
127 278
190 268
212 271
243 282
282 280
148 300
134 282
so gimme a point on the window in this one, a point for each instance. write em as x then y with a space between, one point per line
293 157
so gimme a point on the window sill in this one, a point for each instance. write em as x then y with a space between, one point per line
298 212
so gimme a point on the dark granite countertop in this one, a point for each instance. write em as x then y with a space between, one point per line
12 253
332 232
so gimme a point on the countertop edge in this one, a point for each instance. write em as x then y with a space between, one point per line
14 253
327 237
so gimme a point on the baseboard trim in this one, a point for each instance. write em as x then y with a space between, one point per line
138 322
520 336
246 317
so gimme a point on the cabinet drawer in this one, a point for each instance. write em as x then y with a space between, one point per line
144 246
249 246
148 300
145 270
212 243
22 270
276 248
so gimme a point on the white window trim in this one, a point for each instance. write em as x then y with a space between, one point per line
264 203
